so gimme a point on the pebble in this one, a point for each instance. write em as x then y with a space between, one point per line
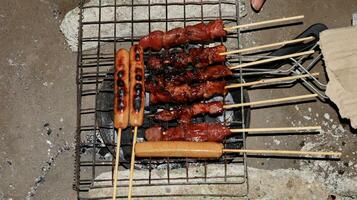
327 116
47 128
307 117
277 142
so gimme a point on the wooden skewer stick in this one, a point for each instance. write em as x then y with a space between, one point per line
279 129
229 106
117 153
268 46
132 163
283 152
272 59
264 22
273 80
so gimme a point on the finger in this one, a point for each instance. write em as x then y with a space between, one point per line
257 4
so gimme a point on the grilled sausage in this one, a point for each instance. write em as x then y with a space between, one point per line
179 149
121 89
137 83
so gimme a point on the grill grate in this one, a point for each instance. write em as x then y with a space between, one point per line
94 68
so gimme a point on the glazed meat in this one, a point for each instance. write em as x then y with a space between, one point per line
186 93
185 114
201 32
199 132
198 57
206 74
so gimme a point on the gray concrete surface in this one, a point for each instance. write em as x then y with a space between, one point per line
38 93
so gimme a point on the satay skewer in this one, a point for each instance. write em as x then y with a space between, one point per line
184 149
202 57
217 132
272 21
266 46
272 80
201 32
304 53
121 104
185 114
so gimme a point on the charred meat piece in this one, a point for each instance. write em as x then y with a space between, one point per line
185 114
174 37
202 57
199 132
209 73
198 57
206 74
201 32
186 93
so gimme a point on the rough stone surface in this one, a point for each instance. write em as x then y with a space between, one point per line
70 22
263 184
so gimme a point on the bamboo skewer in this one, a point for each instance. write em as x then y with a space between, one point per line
279 129
132 163
273 80
264 22
229 106
268 46
116 164
283 152
273 59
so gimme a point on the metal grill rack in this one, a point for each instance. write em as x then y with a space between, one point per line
95 68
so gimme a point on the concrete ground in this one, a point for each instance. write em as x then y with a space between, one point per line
38 101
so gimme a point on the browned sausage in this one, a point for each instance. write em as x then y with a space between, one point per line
121 89
179 149
137 83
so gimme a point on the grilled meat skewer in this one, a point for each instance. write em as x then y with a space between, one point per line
198 57
186 93
185 114
206 74
200 132
200 32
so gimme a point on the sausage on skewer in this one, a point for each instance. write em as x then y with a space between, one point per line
137 100
137 86
209 150
121 103
121 89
